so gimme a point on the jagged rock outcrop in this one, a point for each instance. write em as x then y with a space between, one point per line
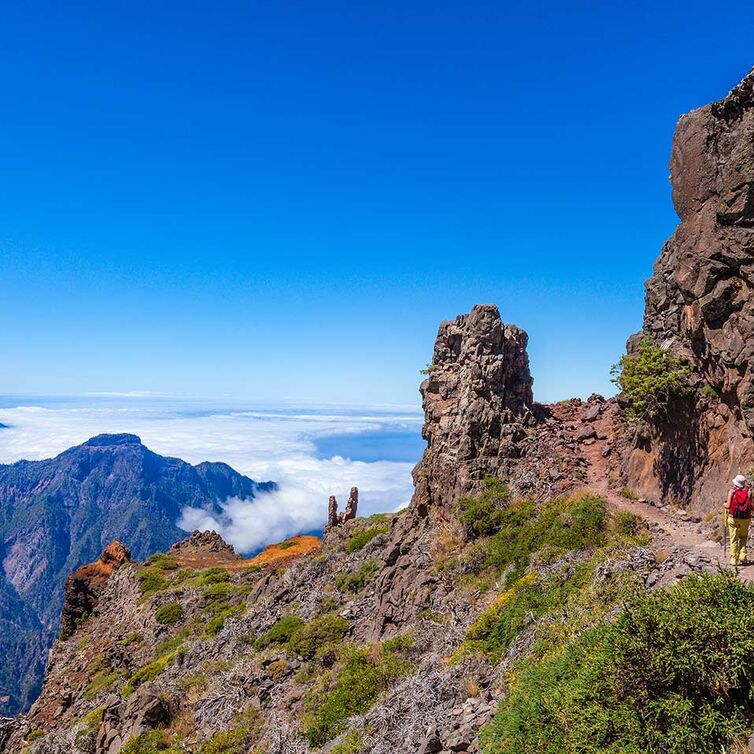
349 513
203 542
478 403
85 584
699 304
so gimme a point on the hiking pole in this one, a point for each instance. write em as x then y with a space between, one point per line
725 536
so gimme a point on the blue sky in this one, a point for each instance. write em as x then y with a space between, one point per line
280 201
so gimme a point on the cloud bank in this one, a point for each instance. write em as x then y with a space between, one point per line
264 444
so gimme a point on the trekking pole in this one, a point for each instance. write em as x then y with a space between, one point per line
725 536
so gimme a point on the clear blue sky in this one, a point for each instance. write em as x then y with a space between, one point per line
281 200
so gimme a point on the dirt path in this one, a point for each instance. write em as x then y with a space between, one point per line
688 534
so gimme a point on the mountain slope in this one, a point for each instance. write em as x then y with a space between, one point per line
59 513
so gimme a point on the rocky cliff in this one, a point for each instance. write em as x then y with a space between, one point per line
481 419
58 514
699 304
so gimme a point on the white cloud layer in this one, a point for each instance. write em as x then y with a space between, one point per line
265 445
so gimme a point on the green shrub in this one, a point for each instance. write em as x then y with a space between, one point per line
169 614
171 644
361 678
148 673
218 592
628 493
162 561
134 638
151 581
524 602
483 514
673 675
627 524
355 581
35 735
288 544
650 381
575 523
154 742
352 742
213 576
101 682
362 538
217 622
318 634
710 392
85 738
280 633
236 741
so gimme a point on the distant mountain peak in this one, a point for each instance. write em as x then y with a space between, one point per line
110 440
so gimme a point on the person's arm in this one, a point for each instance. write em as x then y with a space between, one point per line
726 504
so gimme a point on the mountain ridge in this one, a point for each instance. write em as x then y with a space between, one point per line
59 513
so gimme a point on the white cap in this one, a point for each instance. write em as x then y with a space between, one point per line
739 481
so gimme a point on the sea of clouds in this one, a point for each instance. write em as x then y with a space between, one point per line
265 444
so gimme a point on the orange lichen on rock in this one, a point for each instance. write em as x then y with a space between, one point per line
287 550
83 586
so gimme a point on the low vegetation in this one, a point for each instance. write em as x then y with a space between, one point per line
358 678
169 614
355 581
362 538
673 674
154 742
650 381
506 534
238 740
280 633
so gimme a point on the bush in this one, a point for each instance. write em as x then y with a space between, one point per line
628 493
101 682
575 523
213 576
162 561
217 622
351 743
362 538
154 742
151 581
355 581
360 680
318 634
483 514
528 599
288 544
148 673
280 633
673 675
236 741
627 524
650 381
169 614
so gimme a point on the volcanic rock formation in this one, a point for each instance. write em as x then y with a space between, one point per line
349 513
699 304
478 403
84 585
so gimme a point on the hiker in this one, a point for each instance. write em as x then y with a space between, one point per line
737 516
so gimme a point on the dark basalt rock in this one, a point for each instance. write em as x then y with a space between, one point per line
699 304
478 403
